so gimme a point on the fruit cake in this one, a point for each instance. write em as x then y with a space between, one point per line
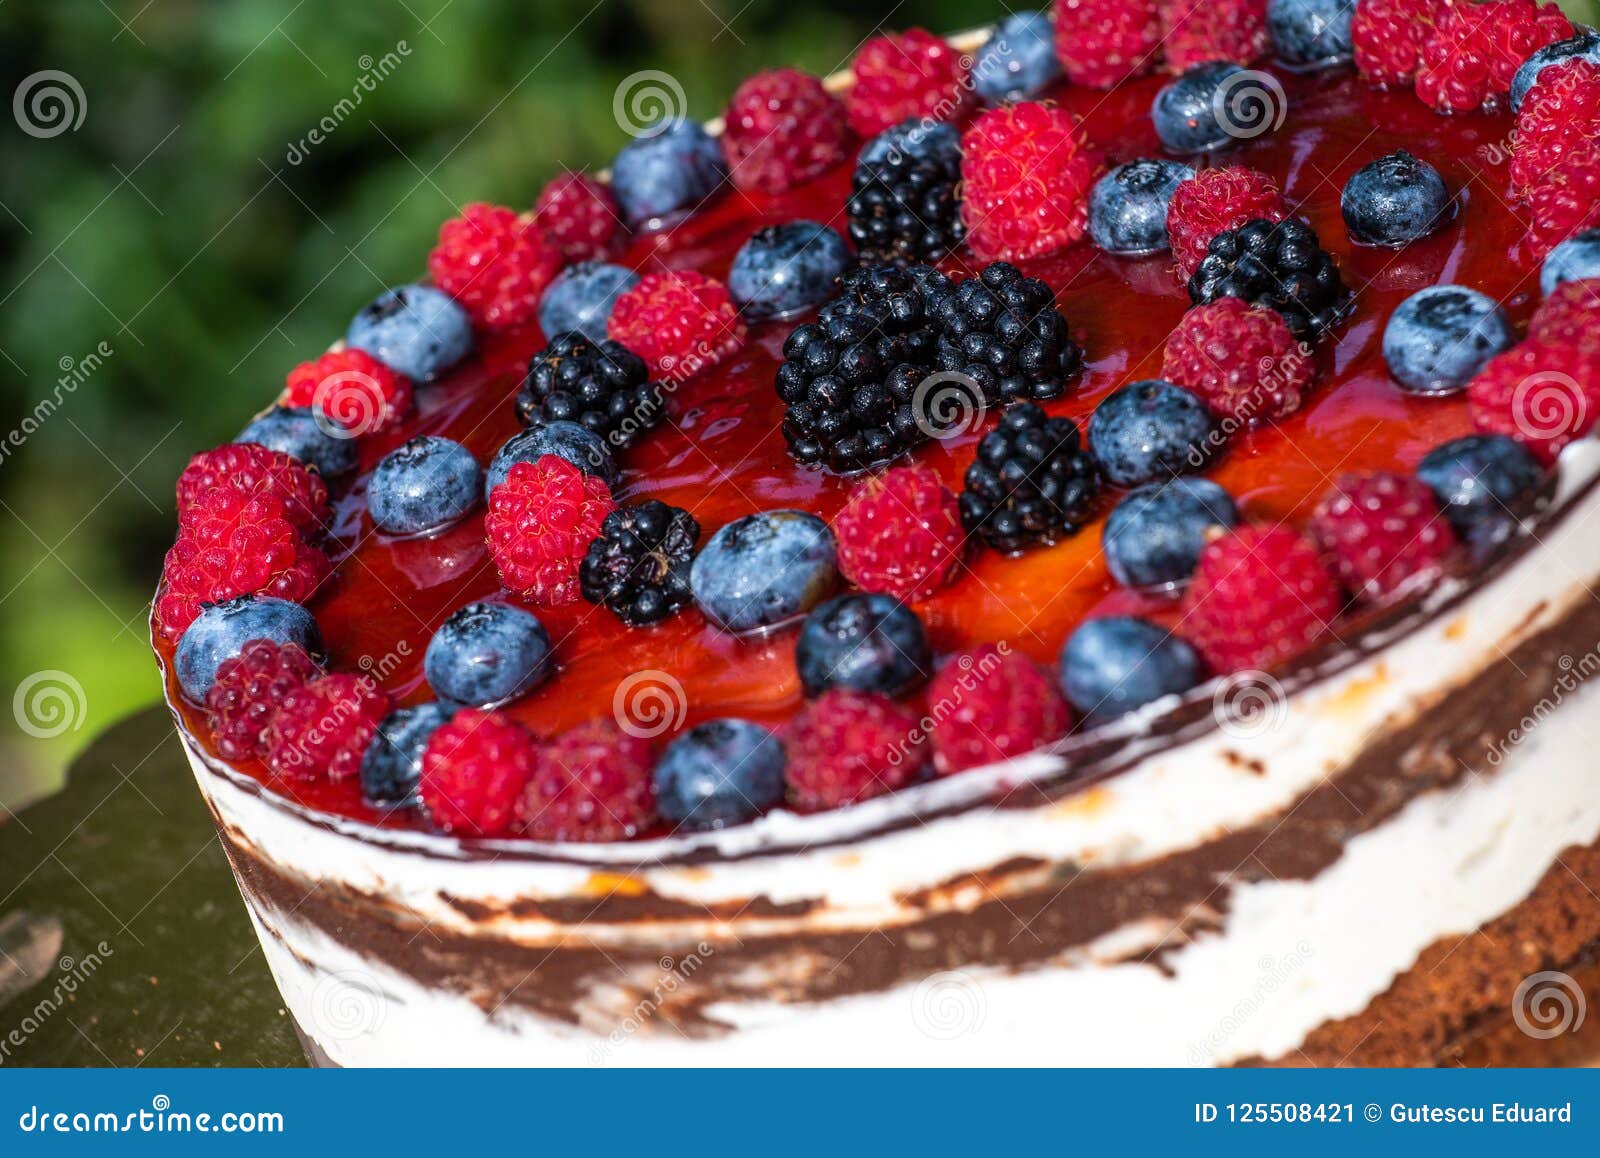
1070 544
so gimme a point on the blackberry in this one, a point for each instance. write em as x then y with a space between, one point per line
1278 265
602 385
903 205
639 566
1032 482
850 379
1003 330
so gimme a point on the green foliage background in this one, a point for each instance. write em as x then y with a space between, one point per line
172 226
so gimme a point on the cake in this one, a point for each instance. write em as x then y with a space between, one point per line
1131 603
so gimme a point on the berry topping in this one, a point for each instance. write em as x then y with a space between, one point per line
1003 331
1026 175
602 385
680 323
1150 431
1128 206
1240 360
495 262
252 469
351 388
845 747
1583 44
1114 665
1213 105
415 330
903 205
1154 536
1260 596
1018 62
865 642
541 520
1439 337
589 784
473 772
1382 534
1281 266
1566 201
666 172
248 690
1542 394
1575 259
222 630
1388 36
579 216
1570 314
580 446
306 436
902 75
781 130
784 269
764 569
1484 484
487 654
1030 483
990 704
1310 33
391 770
719 773
321 729
1197 31
1218 200
1394 201
900 533
1475 48
426 485
639 566
581 298
1559 115
1103 42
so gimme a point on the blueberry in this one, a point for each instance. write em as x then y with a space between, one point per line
1394 201
866 642
665 172
915 137
719 773
1585 44
785 269
1128 207
1439 337
415 330
1574 259
1150 431
1311 33
296 432
1154 536
425 485
1485 483
581 297
763 569
1114 665
222 629
1019 61
392 766
487 654
579 445
1215 104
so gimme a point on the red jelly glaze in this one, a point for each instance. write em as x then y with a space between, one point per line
723 456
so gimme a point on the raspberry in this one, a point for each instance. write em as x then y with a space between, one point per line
321 729
1026 175
1560 114
495 262
1566 200
352 388
249 688
1259 596
1101 43
680 323
902 75
252 469
232 544
782 129
1540 393
990 704
1388 37
1217 200
1240 359
1474 49
540 523
1199 31
1570 315
900 533
1382 534
845 747
579 216
473 772
589 784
